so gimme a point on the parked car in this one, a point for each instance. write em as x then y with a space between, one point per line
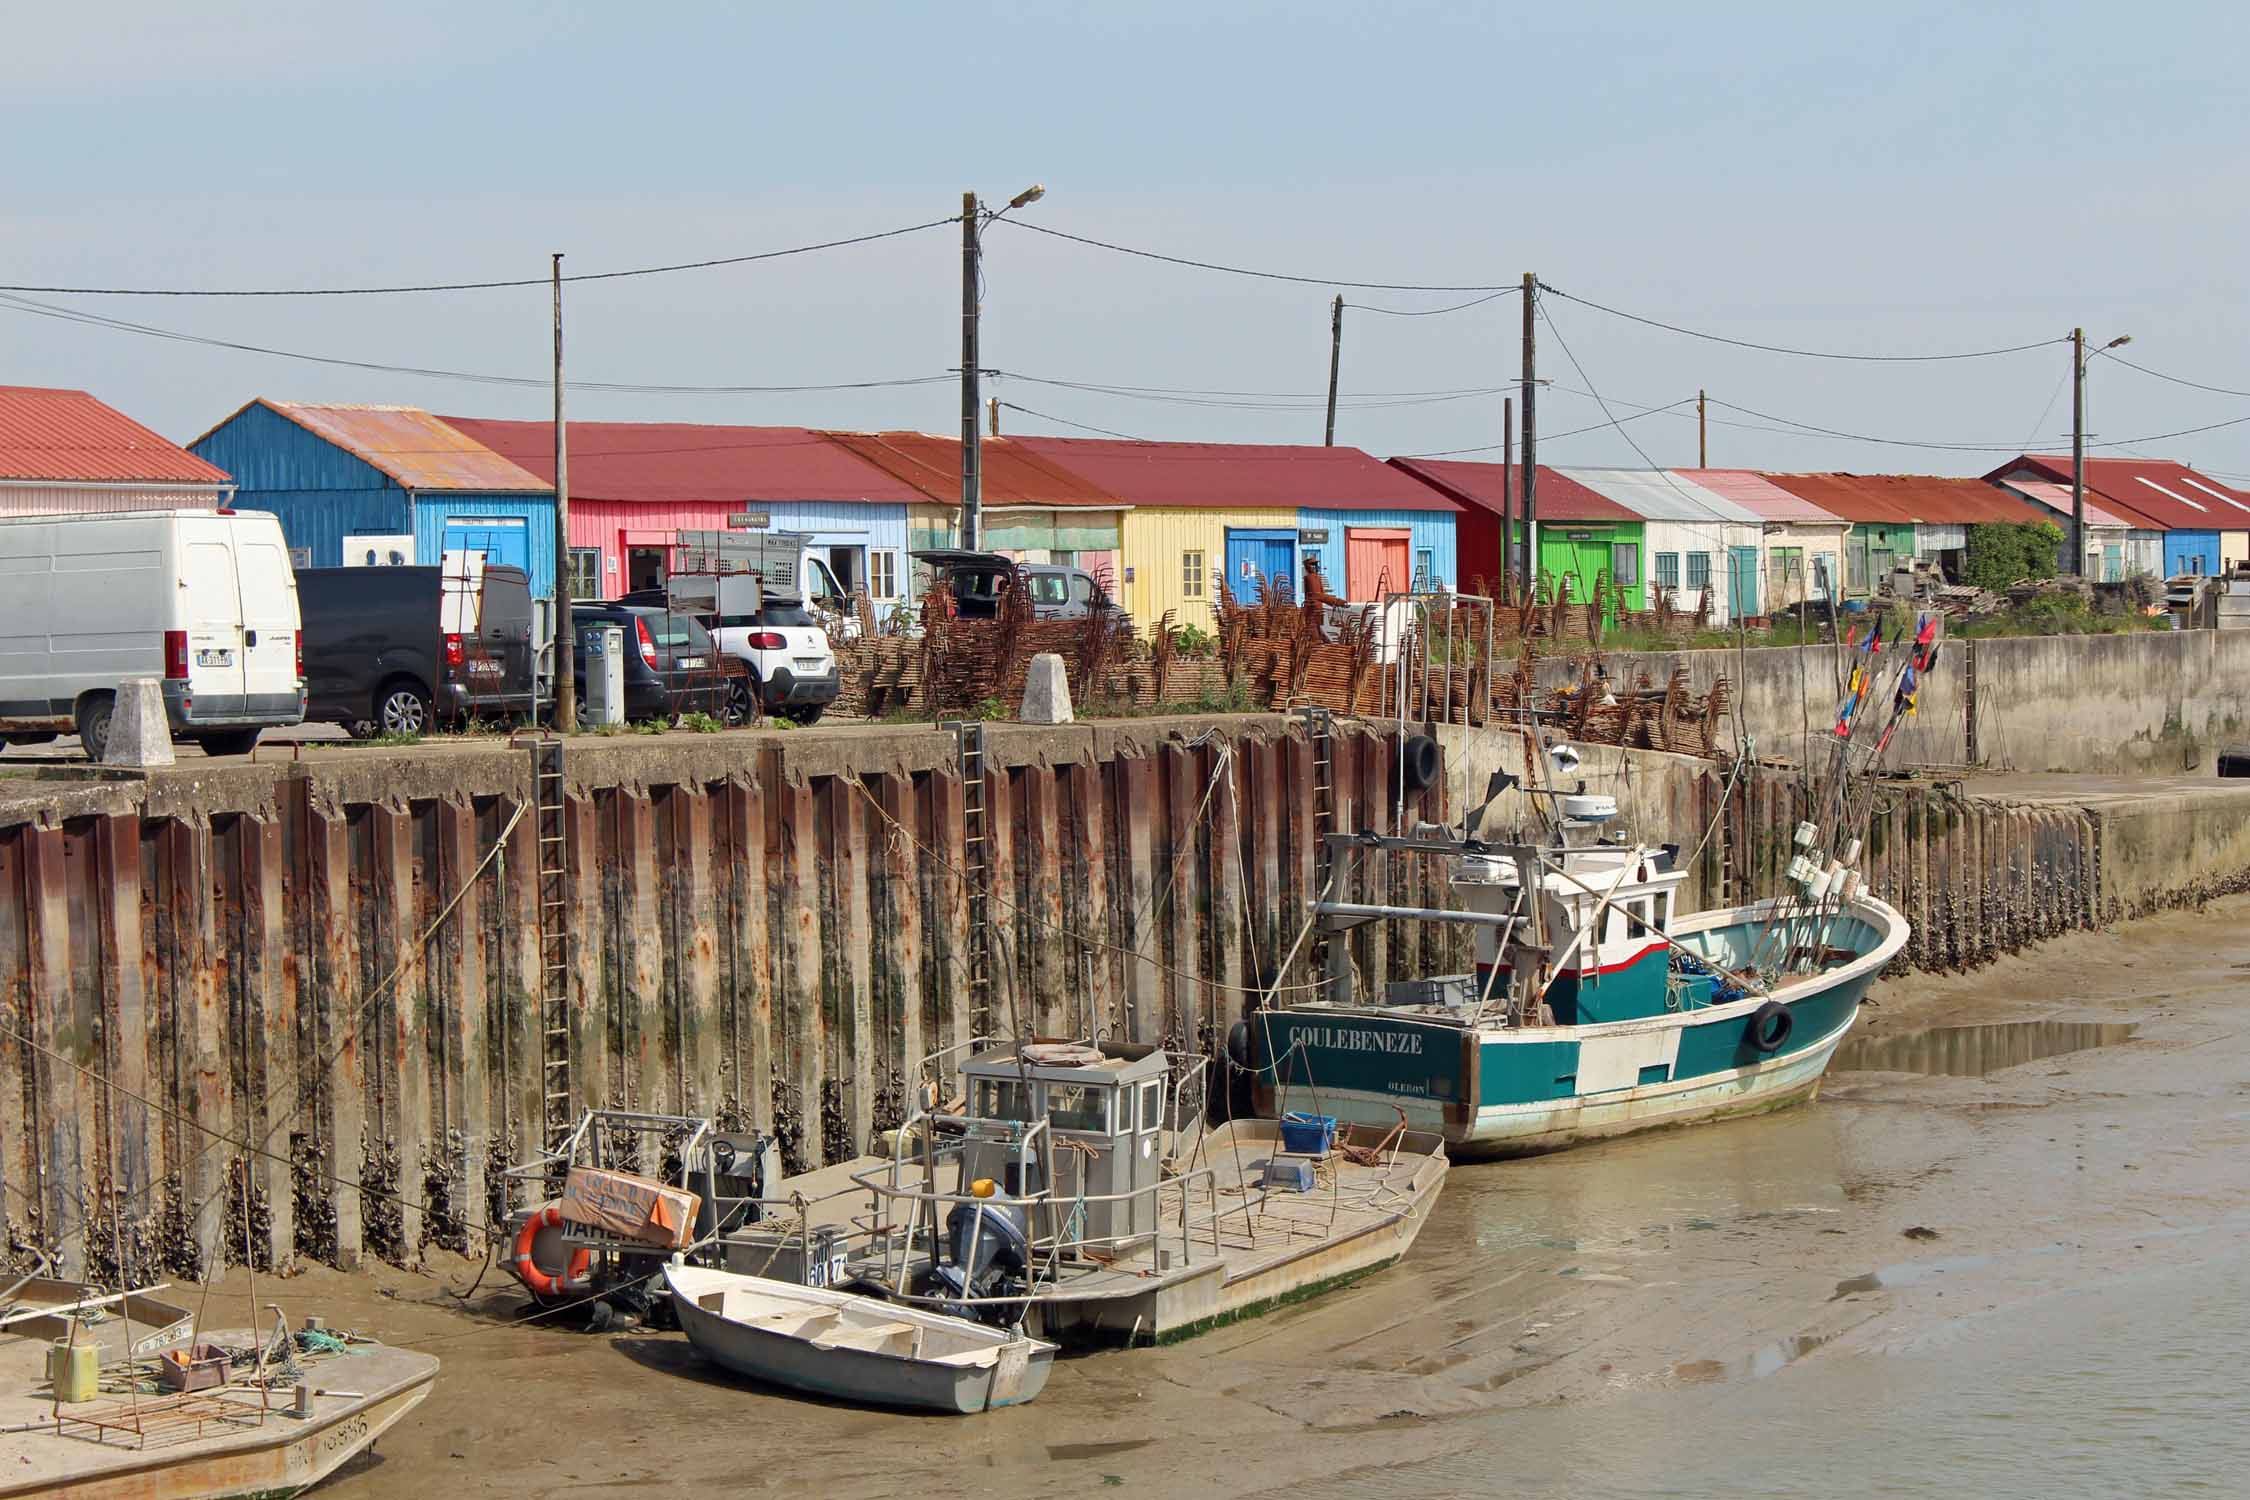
672 667
783 645
977 580
203 600
406 650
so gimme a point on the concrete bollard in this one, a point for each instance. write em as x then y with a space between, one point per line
1046 691
138 733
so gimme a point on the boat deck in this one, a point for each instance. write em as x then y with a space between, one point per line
229 1440
1224 1244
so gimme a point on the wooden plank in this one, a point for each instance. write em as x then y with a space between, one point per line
1179 889
335 1030
458 964
798 1096
60 1056
269 1030
125 1022
1377 769
1008 1011
591 882
638 944
1138 814
898 952
749 973
694 960
404 1021
855 1048
1047 955
1228 893
1089 854
946 1019
199 1091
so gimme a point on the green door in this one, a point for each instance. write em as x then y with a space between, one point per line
1742 582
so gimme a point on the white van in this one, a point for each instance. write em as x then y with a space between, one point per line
205 600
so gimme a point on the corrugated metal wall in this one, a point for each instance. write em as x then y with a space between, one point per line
613 526
2190 552
1582 551
1712 538
433 513
1154 544
99 499
1432 531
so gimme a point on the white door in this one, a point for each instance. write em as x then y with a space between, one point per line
211 607
270 618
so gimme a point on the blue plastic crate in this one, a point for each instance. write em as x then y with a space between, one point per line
1308 1135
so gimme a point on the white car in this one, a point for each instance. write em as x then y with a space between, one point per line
788 655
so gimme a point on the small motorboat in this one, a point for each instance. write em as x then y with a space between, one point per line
852 1347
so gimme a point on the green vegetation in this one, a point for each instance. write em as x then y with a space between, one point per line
989 709
650 726
1999 555
394 737
700 723
1194 642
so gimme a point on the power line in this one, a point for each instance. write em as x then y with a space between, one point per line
1206 265
1067 422
1808 428
475 286
1720 338
1432 312
1261 400
1556 437
1564 344
121 325
2217 390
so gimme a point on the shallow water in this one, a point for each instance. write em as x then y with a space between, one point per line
1973 1051
2134 1387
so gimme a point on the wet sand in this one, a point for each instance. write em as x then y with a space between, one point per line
2042 1267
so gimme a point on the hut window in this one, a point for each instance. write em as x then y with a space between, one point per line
1699 570
1624 564
1191 575
882 574
1668 570
1002 1099
1425 570
1078 1106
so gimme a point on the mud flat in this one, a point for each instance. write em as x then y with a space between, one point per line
2021 1271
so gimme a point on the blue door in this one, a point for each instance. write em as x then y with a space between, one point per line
1742 584
503 540
1259 559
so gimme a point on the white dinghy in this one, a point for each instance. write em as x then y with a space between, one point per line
854 1348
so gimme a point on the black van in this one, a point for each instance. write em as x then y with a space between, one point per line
407 650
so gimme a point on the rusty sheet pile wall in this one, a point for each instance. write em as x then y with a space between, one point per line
214 985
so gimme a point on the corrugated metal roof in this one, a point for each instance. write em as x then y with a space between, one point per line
1561 498
2172 494
417 450
1240 476
1904 499
2056 498
66 435
1013 471
685 463
1656 495
1759 495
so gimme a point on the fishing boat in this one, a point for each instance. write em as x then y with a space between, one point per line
1596 1006
267 1412
852 1347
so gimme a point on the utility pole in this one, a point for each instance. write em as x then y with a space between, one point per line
992 414
1702 436
1530 433
2077 563
566 640
972 455
1508 495
1335 362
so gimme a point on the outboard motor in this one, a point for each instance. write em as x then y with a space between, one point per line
988 1254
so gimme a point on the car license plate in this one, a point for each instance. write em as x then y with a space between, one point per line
687 662
809 664
483 666
218 658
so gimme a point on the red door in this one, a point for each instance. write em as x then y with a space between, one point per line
1375 562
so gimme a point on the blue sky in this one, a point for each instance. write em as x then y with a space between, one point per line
1906 178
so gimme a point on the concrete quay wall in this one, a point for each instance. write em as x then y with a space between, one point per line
218 1005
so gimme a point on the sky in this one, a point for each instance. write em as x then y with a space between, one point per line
1900 179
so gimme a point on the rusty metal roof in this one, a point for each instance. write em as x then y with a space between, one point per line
2172 495
1904 499
1561 498
2056 497
59 435
1244 476
419 451
1016 471
686 463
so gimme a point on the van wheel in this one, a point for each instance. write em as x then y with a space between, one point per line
94 711
228 742
804 713
402 708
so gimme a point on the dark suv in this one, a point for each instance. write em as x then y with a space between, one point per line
407 650
976 580
671 665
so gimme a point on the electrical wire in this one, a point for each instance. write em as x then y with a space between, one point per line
1564 344
2217 390
1262 400
1556 437
1433 312
1067 422
11 303
476 286
1206 265
1720 338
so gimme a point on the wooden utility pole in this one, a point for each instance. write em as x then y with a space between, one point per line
992 413
972 454
1508 495
566 640
1530 433
1702 437
1335 362
2077 564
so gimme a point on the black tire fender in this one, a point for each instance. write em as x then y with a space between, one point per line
1769 1028
1419 765
1238 1045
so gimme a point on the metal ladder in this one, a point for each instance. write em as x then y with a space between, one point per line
552 846
976 866
1320 731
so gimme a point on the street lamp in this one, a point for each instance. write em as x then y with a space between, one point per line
2078 359
974 216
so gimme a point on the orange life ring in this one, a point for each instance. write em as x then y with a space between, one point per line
542 1285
